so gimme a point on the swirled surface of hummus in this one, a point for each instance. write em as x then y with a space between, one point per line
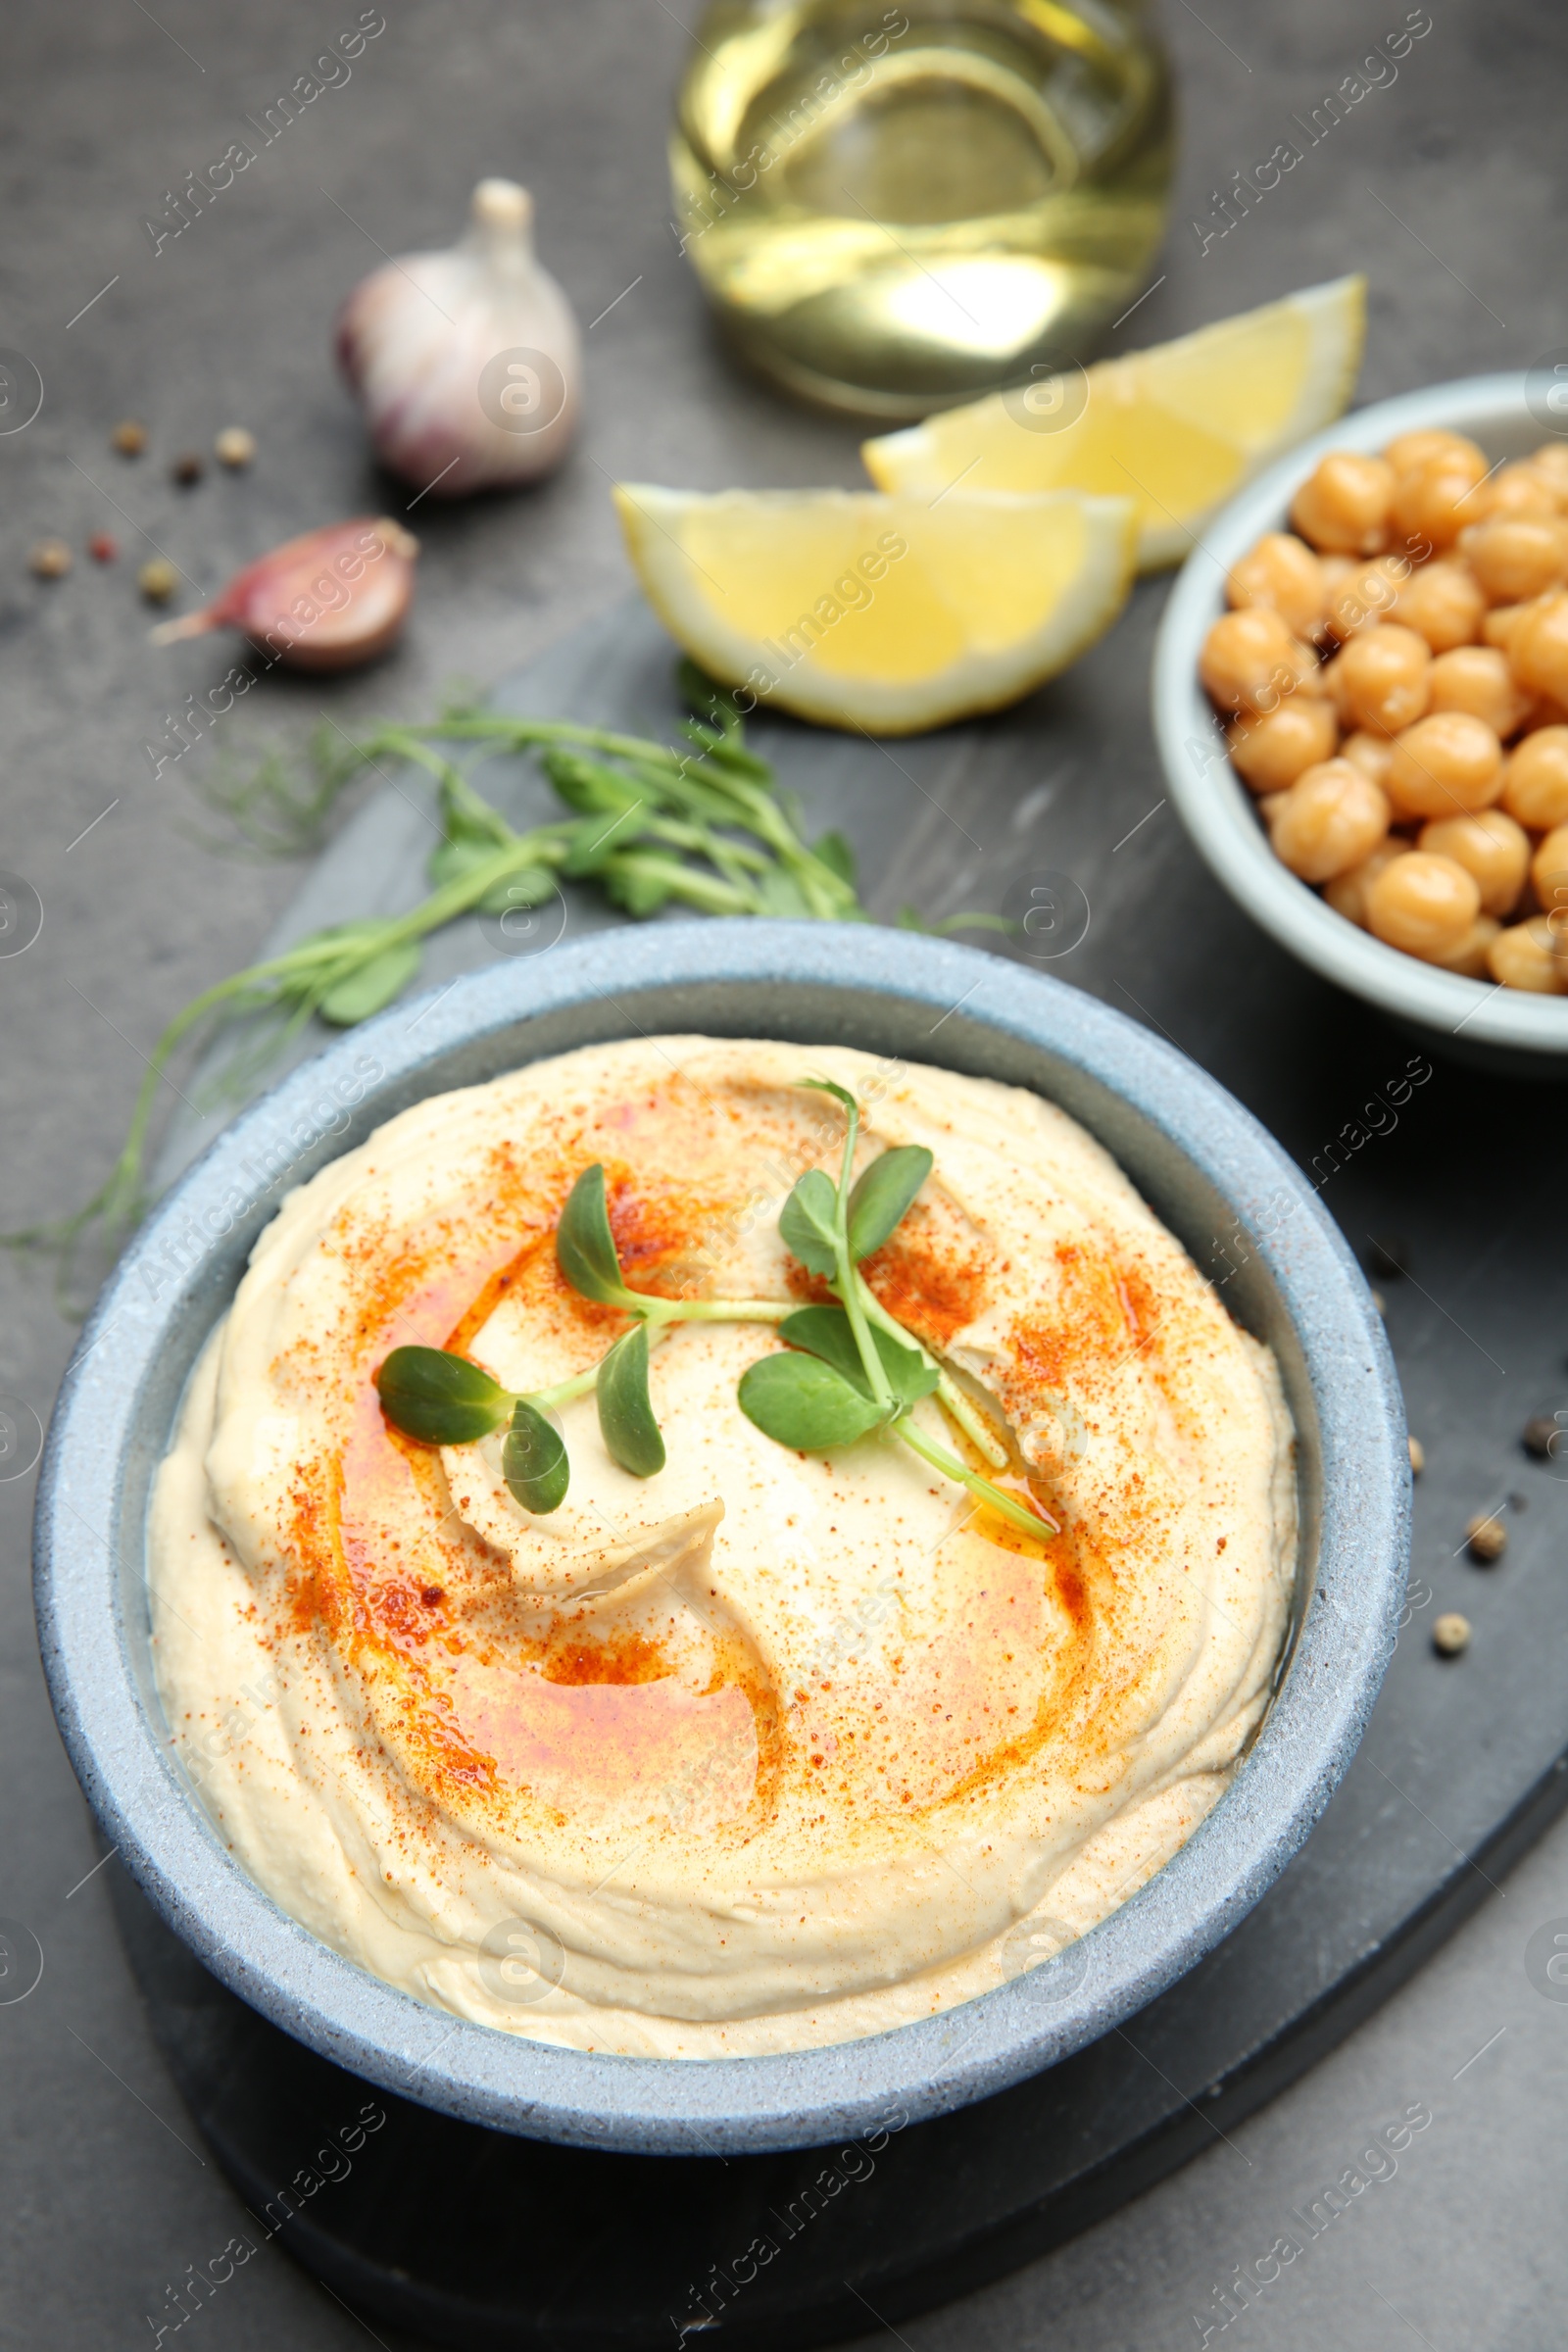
771 1751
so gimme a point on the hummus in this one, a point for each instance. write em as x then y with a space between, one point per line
771 1750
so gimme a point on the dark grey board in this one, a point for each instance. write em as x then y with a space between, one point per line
475 2239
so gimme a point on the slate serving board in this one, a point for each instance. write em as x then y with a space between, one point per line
472 2238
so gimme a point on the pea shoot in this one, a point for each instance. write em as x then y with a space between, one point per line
700 824
847 1372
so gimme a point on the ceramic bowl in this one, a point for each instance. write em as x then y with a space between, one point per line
1205 1165
1472 1019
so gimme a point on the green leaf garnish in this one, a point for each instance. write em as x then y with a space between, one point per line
883 1195
782 896
585 1246
533 1460
837 856
441 1400
826 1332
807 1221
371 986
625 1414
801 1401
532 886
840 1093
700 822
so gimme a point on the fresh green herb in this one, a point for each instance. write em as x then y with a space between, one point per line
826 1332
533 1460
866 1363
625 1416
443 1399
848 1371
805 1225
884 1195
803 1403
585 1246
279 810
652 825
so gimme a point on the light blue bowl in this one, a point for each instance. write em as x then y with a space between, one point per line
1202 1161
1471 1020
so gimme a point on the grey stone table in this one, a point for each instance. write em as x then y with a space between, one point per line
1446 187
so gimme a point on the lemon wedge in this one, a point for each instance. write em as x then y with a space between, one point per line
1178 428
887 614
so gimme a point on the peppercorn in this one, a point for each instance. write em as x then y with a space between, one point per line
1487 1540
186 469
1418 1457
1451 1634
158 579
235 445
1540 1435
102 548
50 559
128 437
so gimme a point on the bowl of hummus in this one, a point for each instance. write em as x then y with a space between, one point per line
743 1529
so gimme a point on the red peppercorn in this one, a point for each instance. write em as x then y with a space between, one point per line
103 548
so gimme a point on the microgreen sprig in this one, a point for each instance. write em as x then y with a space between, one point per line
701 824
443 1398
650 824
852 1375
849 1371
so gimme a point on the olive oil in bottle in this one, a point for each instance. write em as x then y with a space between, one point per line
893 209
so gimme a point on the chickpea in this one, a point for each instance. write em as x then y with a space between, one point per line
1332 679
1365 595
1515 556
1331 820
1442 602
1535 788
1383 679
1548 873
1469 956
1525 957
1434 502
1504 622
1410 450
1422 903
1550 463
1492 847
1519 489
1250 661
1343 506
1371 754
1270 752
1347 892
1538 651
1270 805
1477 678
1284 573
1448 765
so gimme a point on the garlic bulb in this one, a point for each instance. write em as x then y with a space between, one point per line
330 600
467 363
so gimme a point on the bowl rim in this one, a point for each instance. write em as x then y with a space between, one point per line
148 1807
1215 806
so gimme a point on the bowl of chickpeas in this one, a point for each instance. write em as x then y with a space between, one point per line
1362 701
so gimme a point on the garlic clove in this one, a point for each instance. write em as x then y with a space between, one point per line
328 600
467 363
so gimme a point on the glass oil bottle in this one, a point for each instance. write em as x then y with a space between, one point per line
896 207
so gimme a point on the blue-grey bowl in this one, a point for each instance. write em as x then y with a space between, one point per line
1205 1166
1505 1029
